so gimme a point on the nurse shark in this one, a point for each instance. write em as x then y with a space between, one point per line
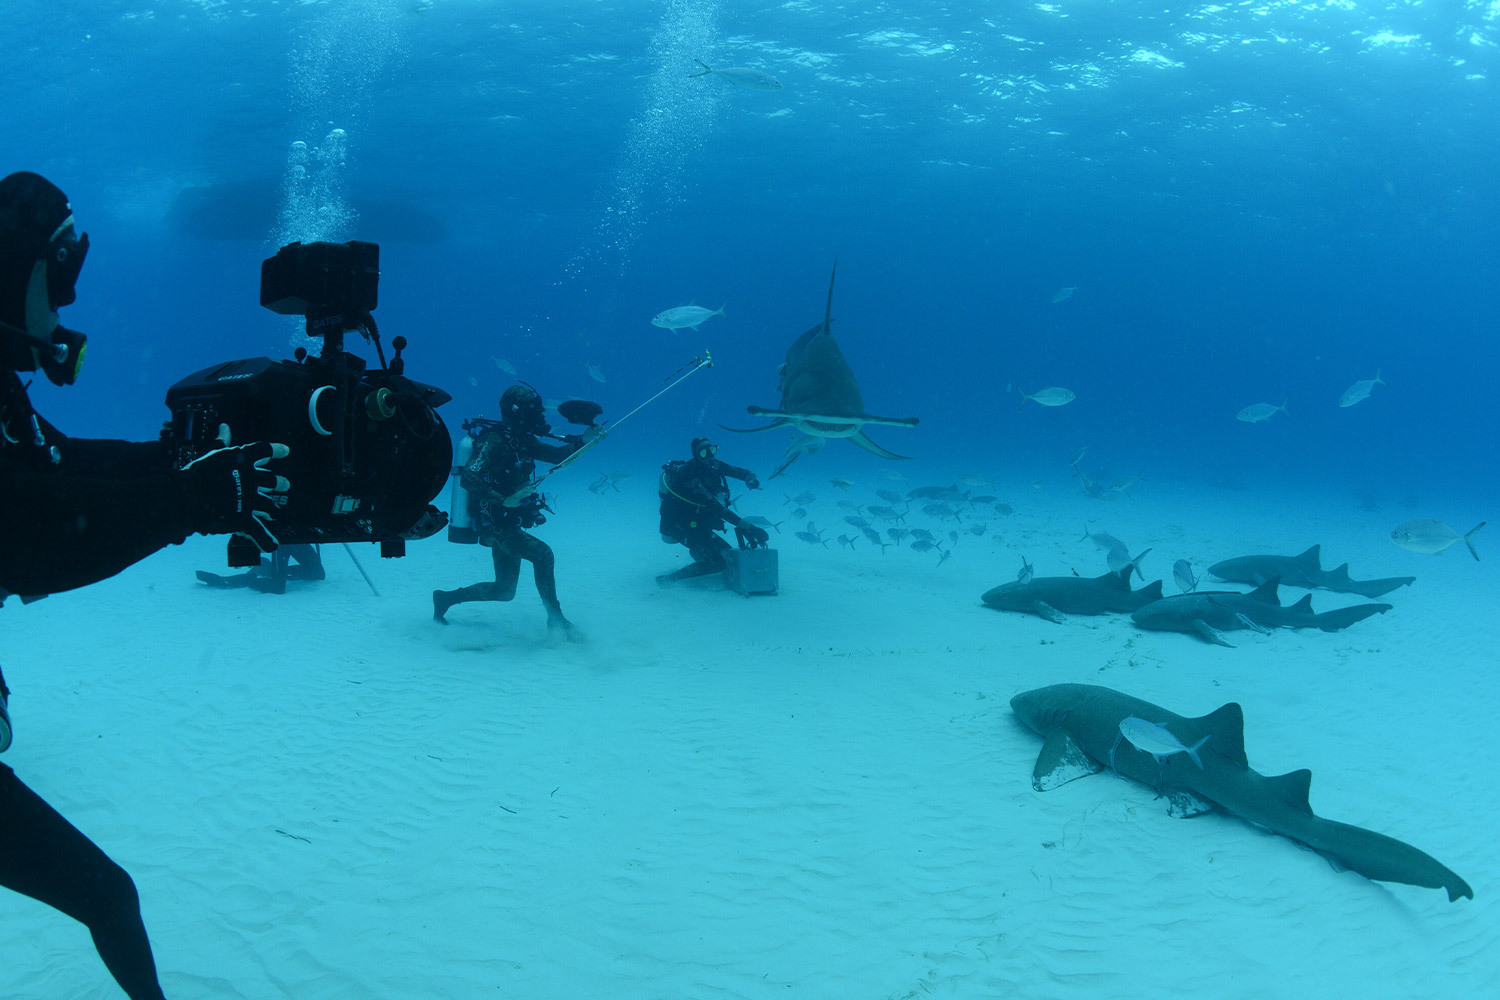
1081 728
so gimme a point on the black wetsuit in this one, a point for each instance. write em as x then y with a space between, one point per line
73 512
694 508
504 460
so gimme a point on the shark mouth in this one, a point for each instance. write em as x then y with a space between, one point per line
824 428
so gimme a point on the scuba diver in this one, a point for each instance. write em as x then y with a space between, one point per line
271 577
75 511
503 501
695 505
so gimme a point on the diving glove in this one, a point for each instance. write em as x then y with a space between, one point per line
233 491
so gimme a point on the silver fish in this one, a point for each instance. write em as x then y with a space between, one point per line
684 317
740 76
1360 390
1182 572
1053 395
1432 536
1256 412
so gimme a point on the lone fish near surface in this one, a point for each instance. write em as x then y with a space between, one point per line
740 76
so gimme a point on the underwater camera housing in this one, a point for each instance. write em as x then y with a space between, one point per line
368 449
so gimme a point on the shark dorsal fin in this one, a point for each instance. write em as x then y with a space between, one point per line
1303 606
1119 578
1226 725
1151 591
1267 592
828 309
1312 557
1292 788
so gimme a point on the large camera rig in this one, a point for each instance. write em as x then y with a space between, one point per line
368 449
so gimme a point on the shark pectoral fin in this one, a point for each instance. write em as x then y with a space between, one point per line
1060 761
753 430
890 421
1292 789
873 448
1044 610
1251 623
1208 633
1186 805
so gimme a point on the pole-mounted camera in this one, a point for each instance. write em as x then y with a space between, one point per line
368 449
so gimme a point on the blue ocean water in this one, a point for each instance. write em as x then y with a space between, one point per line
1254 202
1250 202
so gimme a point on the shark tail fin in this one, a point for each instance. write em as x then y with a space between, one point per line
707 69
1226 725
1469 539
1342 618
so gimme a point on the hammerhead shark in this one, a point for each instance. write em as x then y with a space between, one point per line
1051 597
1085 726
1303 571
1210 613
819 394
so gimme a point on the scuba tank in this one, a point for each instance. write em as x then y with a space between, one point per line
460 521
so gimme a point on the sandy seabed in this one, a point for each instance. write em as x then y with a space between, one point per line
327 796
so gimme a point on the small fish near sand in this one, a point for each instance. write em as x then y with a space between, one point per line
1256 412
740 76
1432 536
685 317
1360 391
1053 395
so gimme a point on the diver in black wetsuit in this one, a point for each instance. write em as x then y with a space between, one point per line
503 463
76 511
695 506
288 562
